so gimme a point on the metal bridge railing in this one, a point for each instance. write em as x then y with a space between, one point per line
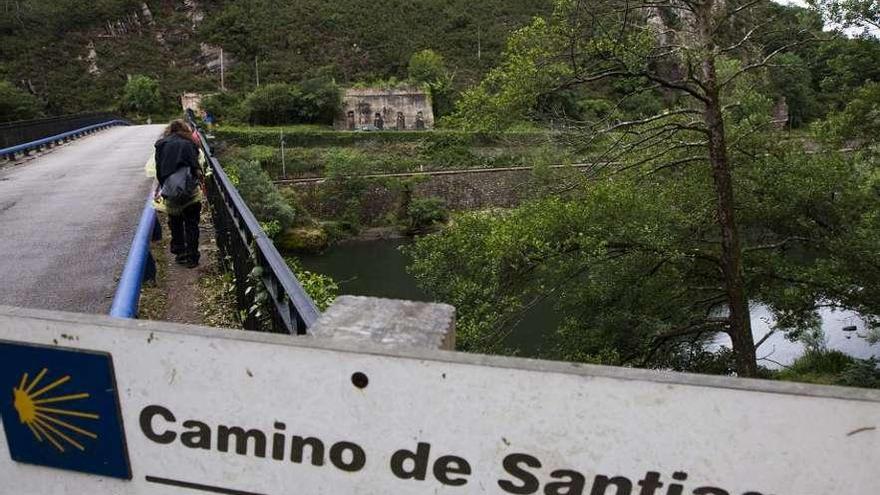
267 292
139 266
25 131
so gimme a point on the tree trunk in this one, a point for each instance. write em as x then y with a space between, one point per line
740 329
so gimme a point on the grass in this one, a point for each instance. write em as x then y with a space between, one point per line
216 297
830 367
154 296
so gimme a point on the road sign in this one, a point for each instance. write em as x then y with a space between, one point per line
217 411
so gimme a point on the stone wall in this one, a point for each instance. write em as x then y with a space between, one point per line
389 109
460 190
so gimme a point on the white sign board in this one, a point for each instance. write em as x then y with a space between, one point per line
239 413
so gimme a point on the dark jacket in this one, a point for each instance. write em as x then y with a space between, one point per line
174 152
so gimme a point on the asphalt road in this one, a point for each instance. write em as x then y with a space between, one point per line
67 219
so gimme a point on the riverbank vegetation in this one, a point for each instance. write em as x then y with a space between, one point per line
699 203
311 153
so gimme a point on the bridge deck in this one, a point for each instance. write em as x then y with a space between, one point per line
67 219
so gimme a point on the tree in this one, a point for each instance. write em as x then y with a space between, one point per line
16 104
321 100
511 91
141 95
703 58
428 69
860 13
313 101
631 261
273 104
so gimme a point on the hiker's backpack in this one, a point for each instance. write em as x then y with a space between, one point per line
180 187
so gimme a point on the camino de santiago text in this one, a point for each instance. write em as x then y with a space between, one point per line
523 474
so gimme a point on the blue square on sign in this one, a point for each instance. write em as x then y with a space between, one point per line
60 409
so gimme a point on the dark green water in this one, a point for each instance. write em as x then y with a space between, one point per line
378 268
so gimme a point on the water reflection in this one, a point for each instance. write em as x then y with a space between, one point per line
777 351
378 268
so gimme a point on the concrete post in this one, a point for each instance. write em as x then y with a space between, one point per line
390 322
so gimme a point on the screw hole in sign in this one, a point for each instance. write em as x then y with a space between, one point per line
360 380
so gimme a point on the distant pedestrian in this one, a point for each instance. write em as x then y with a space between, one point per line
179 192
209 120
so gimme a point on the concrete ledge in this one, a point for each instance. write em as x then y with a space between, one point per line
389 322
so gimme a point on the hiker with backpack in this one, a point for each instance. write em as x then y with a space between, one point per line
179 192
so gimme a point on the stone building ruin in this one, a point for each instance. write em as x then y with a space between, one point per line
402 109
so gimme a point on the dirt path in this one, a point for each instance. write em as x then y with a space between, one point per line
183 283
196 296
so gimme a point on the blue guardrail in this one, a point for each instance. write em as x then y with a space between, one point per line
11 151
139 266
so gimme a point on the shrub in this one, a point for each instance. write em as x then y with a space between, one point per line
321 288
224 106
16 104
834 368
426 66
269 157
427 69
321 100
423 214
261 195
309 136
314 101
272 104
345 188
862 373
141 95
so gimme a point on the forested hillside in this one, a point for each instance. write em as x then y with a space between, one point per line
74 56
358 39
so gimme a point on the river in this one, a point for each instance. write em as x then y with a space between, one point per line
378 268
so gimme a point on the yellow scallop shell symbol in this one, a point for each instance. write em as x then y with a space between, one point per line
40 412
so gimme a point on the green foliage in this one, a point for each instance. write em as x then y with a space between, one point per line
271 228
862 373
377 157
510 91
260 194
833 368
273 104
321 100
141 96
858 123
311 136
818 366
859 13
790 78
321 288
313 101
426 67
44 46
345 188
841 66
424 214
16 104
291 39
636 249
225 106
